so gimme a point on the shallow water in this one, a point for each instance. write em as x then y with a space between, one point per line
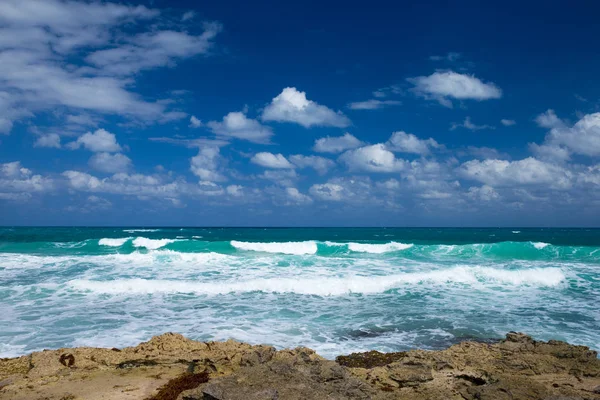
334 290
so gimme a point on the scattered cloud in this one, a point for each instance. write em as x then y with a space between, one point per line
444 86
508 122
336 144
374 158
195 122
548 119
582 138
408 143
98 141
77 56
270 160
373 104
110 163
237 125
292 105
320 164
207 165
49 140
467 124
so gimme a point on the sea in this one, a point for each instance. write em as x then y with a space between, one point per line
335 290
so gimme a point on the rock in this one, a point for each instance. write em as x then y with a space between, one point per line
170 367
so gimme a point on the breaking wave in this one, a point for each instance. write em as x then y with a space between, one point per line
294 248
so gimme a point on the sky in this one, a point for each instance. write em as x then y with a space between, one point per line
187 113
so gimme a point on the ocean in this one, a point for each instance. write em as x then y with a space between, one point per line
335 290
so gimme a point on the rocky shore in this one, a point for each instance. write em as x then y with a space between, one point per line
171 367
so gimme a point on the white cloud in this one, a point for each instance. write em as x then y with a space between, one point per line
270 160
408 143
296 197
442 86
484 193
467 124
374 158
75 54
336 144
237 125
550 152
373 104
153 49
529 171
195 122
98 141
110 163
235 190
582 138
19 183
49 140
320 164
508 122
207 164
328 191
549 120
292 105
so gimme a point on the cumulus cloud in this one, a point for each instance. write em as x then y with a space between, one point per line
483 193
408 143
336 144
292 105
528 171
110 163
548 119
195 122
237 125
508 122
19 183
443 86
372 104
467 124
99 141
296 197
328 191
581 138
49 140
320 164
207 165
270 160
374 158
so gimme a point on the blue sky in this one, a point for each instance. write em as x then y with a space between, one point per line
312 113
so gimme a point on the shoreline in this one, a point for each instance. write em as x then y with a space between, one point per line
172 367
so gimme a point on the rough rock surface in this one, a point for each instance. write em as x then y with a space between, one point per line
171 367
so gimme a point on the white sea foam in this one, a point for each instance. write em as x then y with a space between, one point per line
378 248
540 245
330 286
140 230
113 242
516 231
151 244
294 248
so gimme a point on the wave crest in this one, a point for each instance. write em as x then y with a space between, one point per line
330 286
293 248
113 242
151 244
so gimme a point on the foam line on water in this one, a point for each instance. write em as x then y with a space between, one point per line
378 248
320 286
152 244
113 242
293 248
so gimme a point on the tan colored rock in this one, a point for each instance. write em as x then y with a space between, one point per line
170 367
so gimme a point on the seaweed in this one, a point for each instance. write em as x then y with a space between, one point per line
172 389
136 363
67 359
369 359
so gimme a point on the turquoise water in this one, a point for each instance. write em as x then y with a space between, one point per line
334 290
